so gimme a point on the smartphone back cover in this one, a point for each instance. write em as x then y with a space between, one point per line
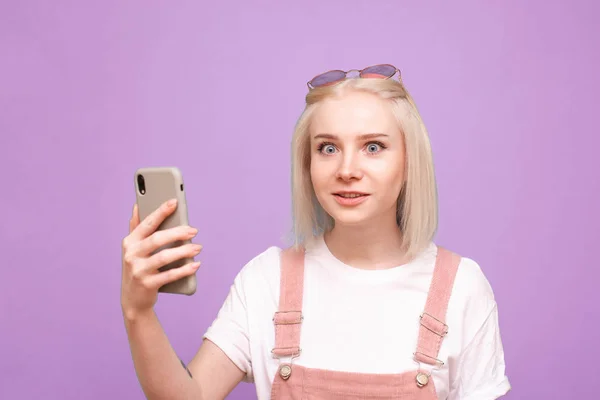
162 184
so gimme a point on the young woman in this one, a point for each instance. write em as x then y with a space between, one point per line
365 304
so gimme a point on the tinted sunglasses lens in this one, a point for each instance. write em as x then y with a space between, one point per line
327 78
378 71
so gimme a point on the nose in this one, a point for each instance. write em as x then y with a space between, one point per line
349 168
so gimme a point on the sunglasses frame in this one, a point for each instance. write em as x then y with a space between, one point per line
360 73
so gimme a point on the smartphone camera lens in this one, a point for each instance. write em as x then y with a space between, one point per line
141 184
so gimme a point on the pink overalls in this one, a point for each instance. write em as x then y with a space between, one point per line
297 382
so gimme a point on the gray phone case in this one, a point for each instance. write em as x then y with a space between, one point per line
162 184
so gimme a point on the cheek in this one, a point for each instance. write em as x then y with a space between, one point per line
319 172
316 176
313 171
390 176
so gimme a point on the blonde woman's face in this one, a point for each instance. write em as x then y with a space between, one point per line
357 158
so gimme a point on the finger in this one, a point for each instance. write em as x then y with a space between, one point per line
168 256
135 219
172 275
161 238
153 221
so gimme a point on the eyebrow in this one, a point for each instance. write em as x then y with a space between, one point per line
360 137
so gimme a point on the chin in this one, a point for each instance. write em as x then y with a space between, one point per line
349 217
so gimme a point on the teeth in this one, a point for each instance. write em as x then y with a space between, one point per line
350 196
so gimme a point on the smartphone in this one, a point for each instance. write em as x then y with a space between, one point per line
153 187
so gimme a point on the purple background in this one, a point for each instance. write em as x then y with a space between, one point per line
89 91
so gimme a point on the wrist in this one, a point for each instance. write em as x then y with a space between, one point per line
133 315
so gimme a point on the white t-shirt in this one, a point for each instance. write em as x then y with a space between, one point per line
366 321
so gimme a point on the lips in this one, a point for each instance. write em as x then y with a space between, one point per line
350 195
350 199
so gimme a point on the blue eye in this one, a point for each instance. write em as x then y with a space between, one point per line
327 148
373 148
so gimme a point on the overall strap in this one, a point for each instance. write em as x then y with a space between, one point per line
289 317
433 328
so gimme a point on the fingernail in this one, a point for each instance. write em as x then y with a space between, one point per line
196 265
192 231
197 247
172 202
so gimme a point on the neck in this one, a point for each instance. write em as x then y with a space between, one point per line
373 246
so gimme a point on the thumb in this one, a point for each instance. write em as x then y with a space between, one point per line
135 219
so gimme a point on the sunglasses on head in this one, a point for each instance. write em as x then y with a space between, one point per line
381 71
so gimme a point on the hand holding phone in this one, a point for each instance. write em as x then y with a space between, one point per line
158 255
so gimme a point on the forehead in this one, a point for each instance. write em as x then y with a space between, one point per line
353 113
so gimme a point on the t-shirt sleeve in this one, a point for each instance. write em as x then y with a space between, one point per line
230 332
480 371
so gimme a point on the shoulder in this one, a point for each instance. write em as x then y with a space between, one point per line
479 369
264 262
471 281
262 272
472 300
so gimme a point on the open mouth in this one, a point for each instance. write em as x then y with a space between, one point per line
350 195
350 198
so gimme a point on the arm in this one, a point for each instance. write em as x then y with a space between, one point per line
161 373
159 370
479 373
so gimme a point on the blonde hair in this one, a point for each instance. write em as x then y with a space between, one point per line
417 210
